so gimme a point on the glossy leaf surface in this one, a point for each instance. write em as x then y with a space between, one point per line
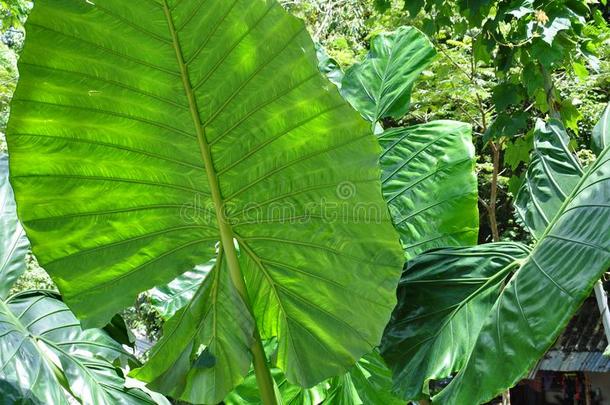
380 86
197 338
430 185
44 352
13 242
551 176
444 296
542 296
135 150
517 318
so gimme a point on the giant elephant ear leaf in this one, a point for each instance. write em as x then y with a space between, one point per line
430 184
380 86
13 242
552 174
134 150
45 354
601 133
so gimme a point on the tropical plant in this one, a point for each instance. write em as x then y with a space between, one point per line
503 304
136 151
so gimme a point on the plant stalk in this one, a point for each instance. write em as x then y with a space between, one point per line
493 195
227 237
261 370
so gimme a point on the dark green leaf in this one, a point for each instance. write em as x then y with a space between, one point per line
118 330
507 125
507 94
444 296
546 290
532 78
552 175
413 7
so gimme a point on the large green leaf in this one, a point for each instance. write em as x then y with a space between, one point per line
45 353
13 242
552 174
430 184
135 149
601 133
530 308
542 296
380 86
444 296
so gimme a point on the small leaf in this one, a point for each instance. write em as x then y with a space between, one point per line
570 116
506 125
580 71
380 86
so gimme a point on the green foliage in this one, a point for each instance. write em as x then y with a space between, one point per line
444 297
508 307
552 174
367 382
103 169
47 357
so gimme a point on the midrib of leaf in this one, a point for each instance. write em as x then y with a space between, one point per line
225 230
263 374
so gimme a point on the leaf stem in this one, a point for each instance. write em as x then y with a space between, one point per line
263 375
